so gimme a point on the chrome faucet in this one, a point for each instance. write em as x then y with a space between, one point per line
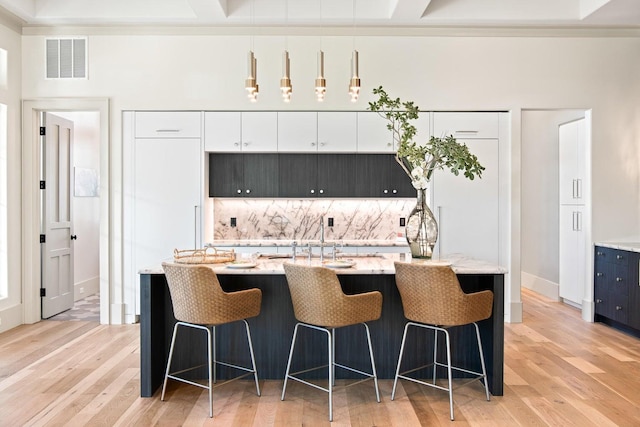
294 244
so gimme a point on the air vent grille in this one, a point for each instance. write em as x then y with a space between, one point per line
66 58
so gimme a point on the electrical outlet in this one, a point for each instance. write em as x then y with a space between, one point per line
233 221
330 222
402 222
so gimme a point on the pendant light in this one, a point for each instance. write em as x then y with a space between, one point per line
251 83
354 83
285 81
321 83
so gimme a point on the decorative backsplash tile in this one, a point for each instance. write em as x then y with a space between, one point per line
291 219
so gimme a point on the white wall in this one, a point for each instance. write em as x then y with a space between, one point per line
86 210
540 198
11 307
206 72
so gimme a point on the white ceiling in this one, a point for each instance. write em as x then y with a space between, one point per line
391 13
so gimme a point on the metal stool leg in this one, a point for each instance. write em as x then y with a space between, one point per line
446 334
286 375
215 361
253 359
331 343
435 353
373 362
484 370
166 375
395 381
211 368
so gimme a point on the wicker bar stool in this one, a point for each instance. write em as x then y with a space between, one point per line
319 304
199 302
432 299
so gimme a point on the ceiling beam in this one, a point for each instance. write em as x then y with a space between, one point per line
408 10
587 7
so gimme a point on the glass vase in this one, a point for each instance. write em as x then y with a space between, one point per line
421 229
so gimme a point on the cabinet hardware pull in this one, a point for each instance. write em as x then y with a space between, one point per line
168 130
395 191
313 144
322 144
312 191
598 301
239 191
573 188
599 253
466 131
599 274
618 307
619 257
321 191
236 144
247 191
246 144
389 144
385 191
579 188
618 279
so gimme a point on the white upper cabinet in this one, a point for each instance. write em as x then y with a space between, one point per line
259 131
168 124
323 131
572 162
234 131
337 131
373 135
478 125
297 131
222 131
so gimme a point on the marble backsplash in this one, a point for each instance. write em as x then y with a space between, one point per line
292 219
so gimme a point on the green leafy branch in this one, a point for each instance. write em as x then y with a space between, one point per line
436 153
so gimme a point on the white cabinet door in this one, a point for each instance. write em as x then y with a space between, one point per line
337 131
297 131
466 125
260 131
222 131
166 199
167 124
373 135
572 253
572 162
468 211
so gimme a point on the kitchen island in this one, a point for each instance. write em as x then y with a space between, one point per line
273 328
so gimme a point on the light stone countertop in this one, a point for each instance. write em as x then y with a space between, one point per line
380 264
625 246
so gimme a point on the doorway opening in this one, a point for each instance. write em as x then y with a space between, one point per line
92 144
548 222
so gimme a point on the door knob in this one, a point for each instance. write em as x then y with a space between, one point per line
74 237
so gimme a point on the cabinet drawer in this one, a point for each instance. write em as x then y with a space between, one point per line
167 124
466 125
615 256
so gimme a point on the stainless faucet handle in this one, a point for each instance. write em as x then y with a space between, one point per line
294 245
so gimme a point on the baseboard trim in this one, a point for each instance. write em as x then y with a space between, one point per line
10 317
540 285
86 287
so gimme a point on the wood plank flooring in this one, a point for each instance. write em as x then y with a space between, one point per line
559 371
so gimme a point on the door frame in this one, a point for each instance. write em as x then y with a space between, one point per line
31 154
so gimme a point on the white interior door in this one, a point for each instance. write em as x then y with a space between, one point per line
57 217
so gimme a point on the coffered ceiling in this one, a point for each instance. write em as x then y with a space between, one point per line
381 13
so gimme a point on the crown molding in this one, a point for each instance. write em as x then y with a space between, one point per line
11 21
388 31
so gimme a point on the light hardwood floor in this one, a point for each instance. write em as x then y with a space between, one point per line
559 371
